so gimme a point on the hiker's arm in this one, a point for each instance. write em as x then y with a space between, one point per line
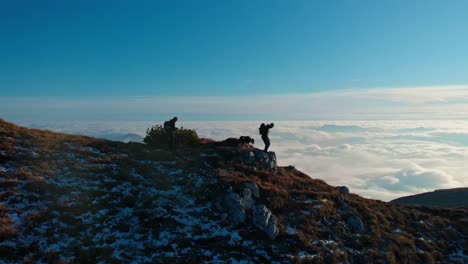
271 125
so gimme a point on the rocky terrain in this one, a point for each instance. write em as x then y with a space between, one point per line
456 197
75 199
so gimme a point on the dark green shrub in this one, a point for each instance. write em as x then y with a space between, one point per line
156 136
186 137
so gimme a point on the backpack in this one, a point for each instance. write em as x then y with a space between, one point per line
262 129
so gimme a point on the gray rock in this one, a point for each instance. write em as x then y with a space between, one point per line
248 158
248 202
253 187
355 222
234 206
264 220
270 165
272 156
261 156
344 190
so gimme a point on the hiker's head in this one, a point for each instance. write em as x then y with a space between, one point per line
262 125
174 119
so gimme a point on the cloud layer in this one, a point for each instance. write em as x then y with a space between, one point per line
377 159
436 102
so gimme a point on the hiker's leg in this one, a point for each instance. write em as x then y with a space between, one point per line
266 140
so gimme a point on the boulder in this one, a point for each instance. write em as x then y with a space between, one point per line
272 156
270 165
248 158
354 221
234 207
248 202
261 156
264 220
253 187
344 190
251 157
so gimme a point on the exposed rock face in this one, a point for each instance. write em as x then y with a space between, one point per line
234 206
248 202
239 208
272 156
355 222
248 158
253 187
270 165
265 160
261 156
264 220
352 217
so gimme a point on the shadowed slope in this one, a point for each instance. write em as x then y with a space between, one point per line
78 199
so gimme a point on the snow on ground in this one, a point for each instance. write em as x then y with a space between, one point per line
94 204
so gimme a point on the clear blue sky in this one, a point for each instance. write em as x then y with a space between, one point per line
141 48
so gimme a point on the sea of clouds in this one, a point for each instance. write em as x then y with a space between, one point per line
375 159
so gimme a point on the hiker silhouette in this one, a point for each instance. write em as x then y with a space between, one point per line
263 130
170 128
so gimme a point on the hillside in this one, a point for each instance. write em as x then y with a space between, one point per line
457 197
76 199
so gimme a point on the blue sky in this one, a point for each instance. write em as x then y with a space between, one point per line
95 50
116 67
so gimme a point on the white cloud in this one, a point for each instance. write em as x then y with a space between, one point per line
435 102
373 158
415 95
377 159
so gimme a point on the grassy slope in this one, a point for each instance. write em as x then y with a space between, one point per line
74 178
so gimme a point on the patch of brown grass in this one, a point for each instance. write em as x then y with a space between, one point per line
7 230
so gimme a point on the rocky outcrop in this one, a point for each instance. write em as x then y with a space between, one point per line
248 202
234 206
259 159
253 187
260 155
243 207
354 221
247 158
264 220
352 218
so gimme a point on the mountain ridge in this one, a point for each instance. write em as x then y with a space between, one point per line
455 197
74 199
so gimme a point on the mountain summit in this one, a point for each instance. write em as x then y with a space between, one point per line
75 199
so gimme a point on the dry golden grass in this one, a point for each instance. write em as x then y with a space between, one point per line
6 225
290 194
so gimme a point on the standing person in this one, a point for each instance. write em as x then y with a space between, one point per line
264 129
170 128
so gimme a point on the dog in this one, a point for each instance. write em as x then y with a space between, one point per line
246 140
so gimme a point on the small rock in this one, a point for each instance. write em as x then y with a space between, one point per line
344 190
355 222
234 206
248 202
272 156
247 158
261 156
270 165
264 220
253 187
